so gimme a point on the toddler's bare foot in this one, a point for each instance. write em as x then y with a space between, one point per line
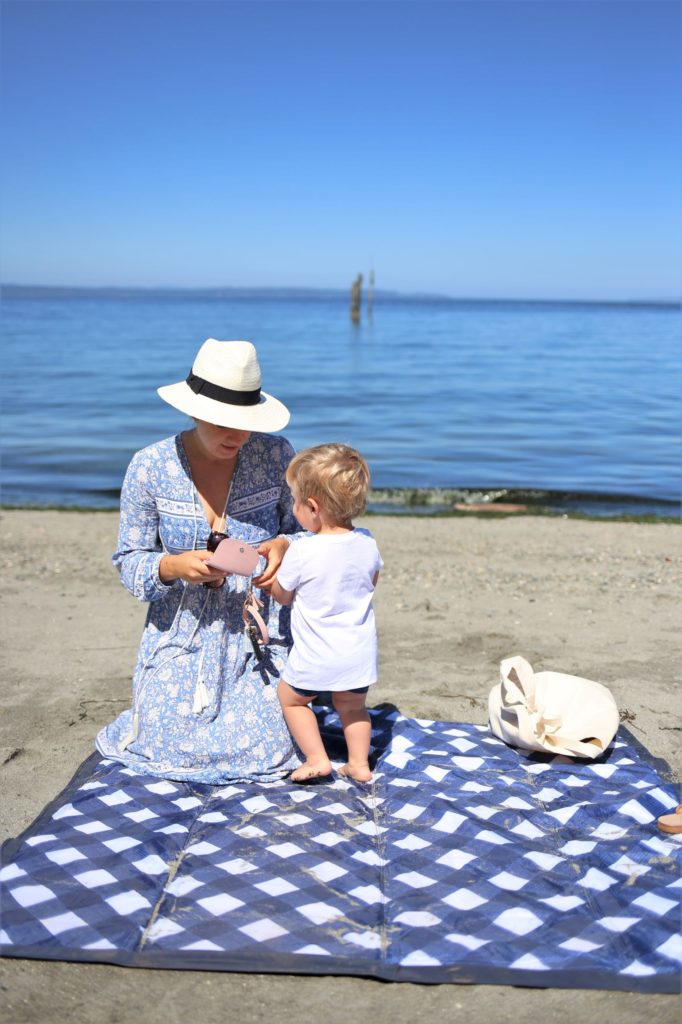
312 770
359 772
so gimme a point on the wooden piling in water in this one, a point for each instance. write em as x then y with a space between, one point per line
356 299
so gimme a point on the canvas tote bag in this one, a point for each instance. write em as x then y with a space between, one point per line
551 711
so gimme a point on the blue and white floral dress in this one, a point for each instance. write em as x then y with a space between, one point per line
204 708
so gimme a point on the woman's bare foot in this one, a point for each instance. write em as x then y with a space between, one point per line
359 772
312 770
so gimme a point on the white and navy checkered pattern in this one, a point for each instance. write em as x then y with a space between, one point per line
464 861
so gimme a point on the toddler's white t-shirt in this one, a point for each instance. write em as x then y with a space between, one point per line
332 619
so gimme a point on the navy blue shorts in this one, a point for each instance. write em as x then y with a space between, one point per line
314 693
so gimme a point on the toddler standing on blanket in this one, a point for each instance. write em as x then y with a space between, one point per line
330 578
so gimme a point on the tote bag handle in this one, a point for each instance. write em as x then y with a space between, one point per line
517 691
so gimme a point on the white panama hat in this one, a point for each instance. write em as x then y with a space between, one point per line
223 388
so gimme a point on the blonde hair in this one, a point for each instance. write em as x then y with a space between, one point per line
336 476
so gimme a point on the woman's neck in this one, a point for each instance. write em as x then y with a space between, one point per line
212 478
199 455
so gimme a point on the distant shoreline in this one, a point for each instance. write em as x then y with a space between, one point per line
437 502
271 294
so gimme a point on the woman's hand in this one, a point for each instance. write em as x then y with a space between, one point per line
189 566
274 550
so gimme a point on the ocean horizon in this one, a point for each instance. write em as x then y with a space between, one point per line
567 404
11 290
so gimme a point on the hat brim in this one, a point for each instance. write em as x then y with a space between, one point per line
267 416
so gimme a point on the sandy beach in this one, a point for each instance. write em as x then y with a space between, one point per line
598 599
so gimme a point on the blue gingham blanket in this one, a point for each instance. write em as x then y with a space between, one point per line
464 861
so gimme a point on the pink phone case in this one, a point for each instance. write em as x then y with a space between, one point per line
234 555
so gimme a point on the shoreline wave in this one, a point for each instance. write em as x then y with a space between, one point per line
442 498
435 501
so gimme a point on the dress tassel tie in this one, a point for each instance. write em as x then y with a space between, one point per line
131 736
201 697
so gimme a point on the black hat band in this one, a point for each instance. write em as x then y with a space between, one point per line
225 395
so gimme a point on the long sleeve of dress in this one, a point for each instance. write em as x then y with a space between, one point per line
139 546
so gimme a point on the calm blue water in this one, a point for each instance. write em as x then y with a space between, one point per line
435 394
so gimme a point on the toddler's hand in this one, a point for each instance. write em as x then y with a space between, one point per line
274 550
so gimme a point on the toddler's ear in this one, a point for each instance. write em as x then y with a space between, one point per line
313 505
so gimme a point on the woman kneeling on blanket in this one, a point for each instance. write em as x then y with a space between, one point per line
205 706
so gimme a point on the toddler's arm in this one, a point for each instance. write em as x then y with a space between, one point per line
280 594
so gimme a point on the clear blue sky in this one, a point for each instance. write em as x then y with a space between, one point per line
492 149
